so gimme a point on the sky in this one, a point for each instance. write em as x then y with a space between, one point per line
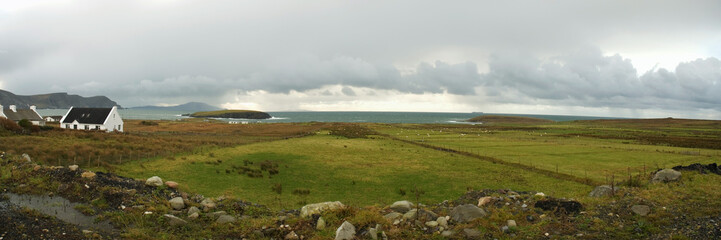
643 59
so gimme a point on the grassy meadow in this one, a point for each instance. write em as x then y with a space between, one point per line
287 165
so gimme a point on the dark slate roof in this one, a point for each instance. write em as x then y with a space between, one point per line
21 114
87 115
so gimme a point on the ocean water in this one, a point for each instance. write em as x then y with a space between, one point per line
377 117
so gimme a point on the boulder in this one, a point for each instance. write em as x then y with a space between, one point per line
448 233
194 215
467 213
291 236
402 206
193 209
26 157
472 233
442 222
484 200
217 214
412 214
320 224
432 224
511 223
154 181
666 175
177 203
317 208
392 216
602 191
87 175
346 231
174 221
207 204
171 184
73 167
225 219
642 210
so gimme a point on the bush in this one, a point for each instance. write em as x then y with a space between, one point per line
10 125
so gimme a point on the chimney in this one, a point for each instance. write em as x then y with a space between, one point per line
12 107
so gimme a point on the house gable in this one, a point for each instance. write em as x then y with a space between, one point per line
87 115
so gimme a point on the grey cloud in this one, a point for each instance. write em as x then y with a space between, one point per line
348 91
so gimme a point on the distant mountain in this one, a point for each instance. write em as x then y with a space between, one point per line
54 100
188 107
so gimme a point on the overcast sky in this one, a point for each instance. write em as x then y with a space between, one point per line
603 58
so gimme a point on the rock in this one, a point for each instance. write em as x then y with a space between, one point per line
171 184
559 206
154 181
73 167
530 218
87 175
291 236
207 204
432 224
27 158
87 231
484 200
320 224
602 191
666 175
511 223
193 209
442 222
174 221
402 206
412 214
37 167
373 233
467 213
225 219
427 215
217 214
471 233
540 194
317 208
346 231
194 215
642 210
504 229
392 216
177 203
448 233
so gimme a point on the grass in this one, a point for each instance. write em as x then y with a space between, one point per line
358 171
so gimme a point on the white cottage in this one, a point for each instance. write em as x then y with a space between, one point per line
103 119
15 114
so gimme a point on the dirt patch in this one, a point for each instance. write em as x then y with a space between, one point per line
703 169
559 206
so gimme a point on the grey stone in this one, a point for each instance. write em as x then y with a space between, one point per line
427 215
73 167
392 216
432 224
666 175
225 219
448 233
207 204
373 233
320 224
174 221
442 222
412 214
642 210
26 157
317 208
177 203
471 233
194 215
511 223
154 181
602 191
504 229
291 236
217 214
402 206
193 209
346 231
467 213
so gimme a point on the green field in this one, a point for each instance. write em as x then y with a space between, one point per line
358 171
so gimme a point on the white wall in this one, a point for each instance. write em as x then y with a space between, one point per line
114 121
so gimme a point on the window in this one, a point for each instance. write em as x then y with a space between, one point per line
87 127
120 127
75 126
97 127
67 125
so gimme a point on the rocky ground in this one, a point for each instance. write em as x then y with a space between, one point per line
153 208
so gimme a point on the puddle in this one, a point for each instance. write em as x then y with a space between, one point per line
58 207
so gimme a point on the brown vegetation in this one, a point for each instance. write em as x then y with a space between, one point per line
495 119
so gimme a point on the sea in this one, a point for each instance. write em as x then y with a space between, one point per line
375 117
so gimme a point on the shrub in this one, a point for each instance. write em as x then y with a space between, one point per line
10 125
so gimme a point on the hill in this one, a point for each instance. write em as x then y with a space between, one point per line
508 119
247 114
54 100
189 107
